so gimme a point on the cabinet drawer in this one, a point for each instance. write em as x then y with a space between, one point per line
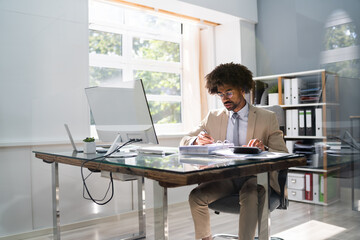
296 194
296 181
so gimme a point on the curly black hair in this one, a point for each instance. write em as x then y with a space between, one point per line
232 74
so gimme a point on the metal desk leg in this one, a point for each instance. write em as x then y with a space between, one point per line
141 207
141 212
264 221
55 200
354 166
352 170
161 231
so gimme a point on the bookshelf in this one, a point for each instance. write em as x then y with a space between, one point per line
310 102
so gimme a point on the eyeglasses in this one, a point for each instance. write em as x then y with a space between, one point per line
228 94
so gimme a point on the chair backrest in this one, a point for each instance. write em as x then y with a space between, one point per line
230 204
280 114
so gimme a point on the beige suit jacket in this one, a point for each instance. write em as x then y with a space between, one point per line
262 124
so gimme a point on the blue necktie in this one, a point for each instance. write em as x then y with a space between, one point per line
236 129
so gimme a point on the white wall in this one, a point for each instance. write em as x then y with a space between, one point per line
44 69
248 45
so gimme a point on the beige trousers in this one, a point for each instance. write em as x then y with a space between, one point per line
251 200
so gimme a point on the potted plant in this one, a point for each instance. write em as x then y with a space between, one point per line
274 95
89 145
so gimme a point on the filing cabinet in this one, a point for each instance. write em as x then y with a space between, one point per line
296 186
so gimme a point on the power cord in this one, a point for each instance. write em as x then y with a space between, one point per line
111 183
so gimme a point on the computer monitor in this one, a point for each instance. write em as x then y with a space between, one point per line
122 113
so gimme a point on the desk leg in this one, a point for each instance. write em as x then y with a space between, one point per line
141 207
55 200
161 231
354 177
264 221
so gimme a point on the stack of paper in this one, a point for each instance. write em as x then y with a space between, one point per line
203 149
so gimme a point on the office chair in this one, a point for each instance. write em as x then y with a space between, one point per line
230 204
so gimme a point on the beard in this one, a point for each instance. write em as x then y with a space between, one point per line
230 106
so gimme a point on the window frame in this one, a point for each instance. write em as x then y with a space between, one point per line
128 63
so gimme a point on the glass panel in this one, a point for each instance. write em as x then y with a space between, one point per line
165 112
156 50
350 68
105 43
105 76
152 23
159 83
340 36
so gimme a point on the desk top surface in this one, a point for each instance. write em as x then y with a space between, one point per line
181 164
187 169
176 170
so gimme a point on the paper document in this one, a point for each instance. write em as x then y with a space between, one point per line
204 149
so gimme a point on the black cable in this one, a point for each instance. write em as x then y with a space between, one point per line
111 183
87 190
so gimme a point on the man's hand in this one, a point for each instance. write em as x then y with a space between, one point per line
256 143
203 138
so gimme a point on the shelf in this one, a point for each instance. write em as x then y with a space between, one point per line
308 105
318 170
306 169
323 104
304 137
302 105
290 75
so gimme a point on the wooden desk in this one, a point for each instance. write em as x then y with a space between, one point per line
172 171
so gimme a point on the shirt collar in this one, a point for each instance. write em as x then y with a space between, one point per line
243 113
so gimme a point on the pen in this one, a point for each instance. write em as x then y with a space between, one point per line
204 131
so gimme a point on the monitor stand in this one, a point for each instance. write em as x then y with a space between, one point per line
119 154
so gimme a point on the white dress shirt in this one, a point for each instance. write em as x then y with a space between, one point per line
243 123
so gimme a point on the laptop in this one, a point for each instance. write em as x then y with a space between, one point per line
72 140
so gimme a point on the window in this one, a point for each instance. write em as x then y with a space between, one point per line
340 36
127 44
341 50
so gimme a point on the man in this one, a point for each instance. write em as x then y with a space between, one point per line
242 124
